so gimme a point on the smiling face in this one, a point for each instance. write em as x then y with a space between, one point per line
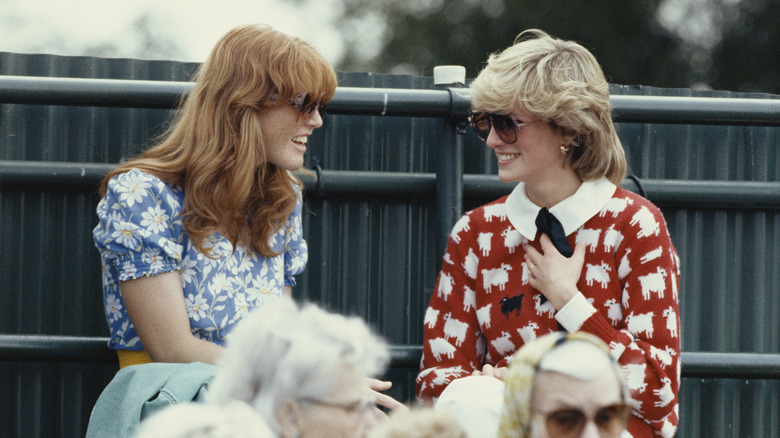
535 157
285 139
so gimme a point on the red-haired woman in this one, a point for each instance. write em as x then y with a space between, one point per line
206 225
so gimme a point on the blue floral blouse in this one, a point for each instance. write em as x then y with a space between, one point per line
140 233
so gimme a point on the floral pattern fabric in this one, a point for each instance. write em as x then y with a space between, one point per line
140 233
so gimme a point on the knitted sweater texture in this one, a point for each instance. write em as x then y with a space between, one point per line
483 309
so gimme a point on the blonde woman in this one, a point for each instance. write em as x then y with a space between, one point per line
568 249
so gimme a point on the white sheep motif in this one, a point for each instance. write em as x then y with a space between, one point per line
439 347
469 299
664 393
496 277
614 311
664 357
528 333
641 323
503 345
512 239
588 236
652 255
653 283
625 266
445 285
454 328
470 264
647 223
526 272
461 225
444 375
483 316
671 321
431 317
598 273
541 309
612 239
668 429
615 206
635 376
495 210
484 242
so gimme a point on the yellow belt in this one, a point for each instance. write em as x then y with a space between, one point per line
127 358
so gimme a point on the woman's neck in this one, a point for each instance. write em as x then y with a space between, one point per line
551 191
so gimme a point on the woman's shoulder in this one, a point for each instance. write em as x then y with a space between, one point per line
630 201
138 189
139 180
634 214
487 212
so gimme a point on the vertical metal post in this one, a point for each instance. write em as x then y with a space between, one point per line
449 177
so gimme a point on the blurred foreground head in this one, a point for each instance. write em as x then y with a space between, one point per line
302 369
564 385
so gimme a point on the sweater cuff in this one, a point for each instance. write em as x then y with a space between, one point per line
575 313
638 428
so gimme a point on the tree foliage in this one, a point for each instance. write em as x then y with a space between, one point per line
626 37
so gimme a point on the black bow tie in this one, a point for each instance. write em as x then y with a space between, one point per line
549 225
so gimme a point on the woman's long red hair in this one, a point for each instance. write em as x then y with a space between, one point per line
214 148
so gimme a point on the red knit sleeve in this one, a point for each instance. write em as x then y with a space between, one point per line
453 346
647 341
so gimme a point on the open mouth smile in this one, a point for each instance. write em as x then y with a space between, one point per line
506 157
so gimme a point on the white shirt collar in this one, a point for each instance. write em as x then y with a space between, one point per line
572 212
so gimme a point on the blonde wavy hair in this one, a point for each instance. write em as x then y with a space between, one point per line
562 83
214 148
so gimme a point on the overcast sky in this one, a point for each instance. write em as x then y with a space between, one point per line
181 30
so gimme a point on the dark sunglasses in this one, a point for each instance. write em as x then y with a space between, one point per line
565 423
306 107
506 125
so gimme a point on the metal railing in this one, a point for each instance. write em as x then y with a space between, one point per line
451 104
75 349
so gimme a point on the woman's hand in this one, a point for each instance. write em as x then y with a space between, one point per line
552 274
384 400
490 370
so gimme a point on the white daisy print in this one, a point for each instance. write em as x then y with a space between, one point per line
187 271
196 306
154 259
132 189
113 307
220 284
125 234
155 220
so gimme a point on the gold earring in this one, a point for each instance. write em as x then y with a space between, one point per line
564 149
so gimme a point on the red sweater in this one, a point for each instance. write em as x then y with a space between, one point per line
483 309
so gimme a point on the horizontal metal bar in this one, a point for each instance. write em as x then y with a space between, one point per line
379 101
693 194
55 174
43 348
75 349
161 94
338 183
696 110
711 194
92 92
730 365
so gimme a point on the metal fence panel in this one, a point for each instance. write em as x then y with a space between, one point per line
374 253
